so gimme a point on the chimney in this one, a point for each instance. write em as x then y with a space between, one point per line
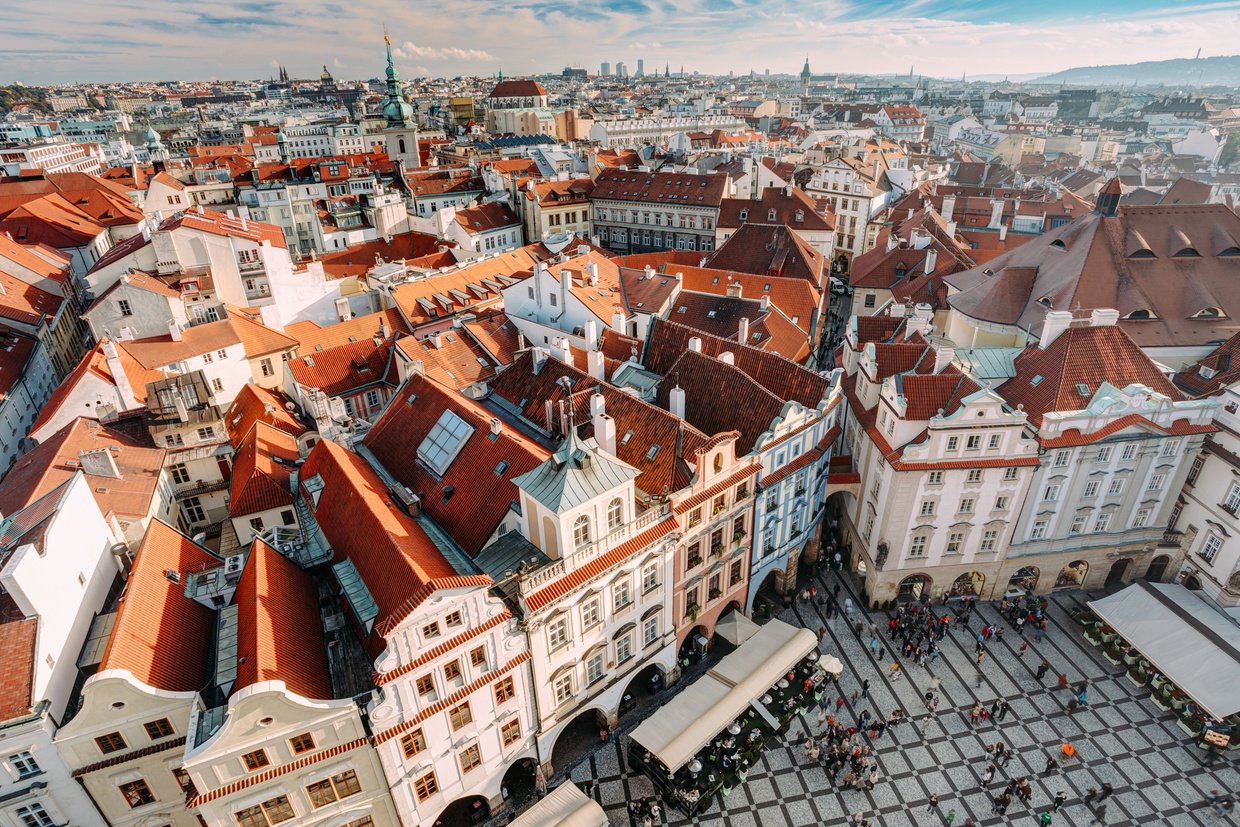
174 330
727 357
591 334
920 238
676 402
931 255
896 310
649 272
735 289
592 273
123 389
99 463
497 427
949 206
742 332
695 344
943 355
595 364
566 281
1103 318
919 320
617 321
1003 232
764 303
893 240
1056 322
598 405
561 351
584 250
605 433
996 213
951 228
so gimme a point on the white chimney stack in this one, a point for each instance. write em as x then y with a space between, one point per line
591 334
920 239
931 256
605 433
1003 232
893 240
617 321
996 213
949 206
676 402
560 350
943 355
695 344
174 330
595 364
727 357
1103 318
742 332
1056 322
123 389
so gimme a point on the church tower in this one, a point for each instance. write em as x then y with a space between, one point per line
805 77
155 148
400 134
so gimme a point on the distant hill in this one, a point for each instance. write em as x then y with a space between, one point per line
1206 71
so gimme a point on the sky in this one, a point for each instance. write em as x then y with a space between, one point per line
71 41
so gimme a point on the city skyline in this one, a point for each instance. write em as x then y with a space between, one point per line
944 38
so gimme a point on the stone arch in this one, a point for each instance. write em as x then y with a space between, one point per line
465 811
968 584
576 737
914 587
1026 577
1158 568
1072 576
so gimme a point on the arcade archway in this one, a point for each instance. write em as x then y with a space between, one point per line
579 736
464 812
969 584
914 587
1025 578
1072 576
1158 568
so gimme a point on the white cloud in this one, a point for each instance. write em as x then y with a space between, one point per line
410 49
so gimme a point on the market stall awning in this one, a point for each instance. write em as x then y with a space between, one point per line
1194 644
735 628
565 806
676 732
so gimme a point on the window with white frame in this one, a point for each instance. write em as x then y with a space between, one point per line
988 539
1156 482
1130 451
557 633
869 526
590 614
975 475
1051 493
1232 503
927 508
966 505
1195 470
1038 530
1115 488
622 595
954 540
24 765
562 689
1091 489
1103 522
1078 524
917 548
953 442
1104 454
1170 447
581 532
1141 518
624 647
650 630
1210 548
995 440
595 668
615 514
650 578
1061 458
1009 474
935 478
33 815
1001 503
974 442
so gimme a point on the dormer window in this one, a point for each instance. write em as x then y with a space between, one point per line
1208 313
1187 252
744 215
1045 301
770 215
799 216
1058 244
1139 315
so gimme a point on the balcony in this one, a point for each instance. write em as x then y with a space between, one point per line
1172 539
197 488
250 266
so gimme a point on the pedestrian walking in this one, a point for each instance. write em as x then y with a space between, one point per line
1063 681
848 607
950 817
934 684
865 688
1043 668
1100 815
1045 818
1051 765
1004 709
988 775
1090 795
874 646
1024 644
1060 798
1106 791
934 802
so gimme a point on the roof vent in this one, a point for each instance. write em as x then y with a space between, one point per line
173 575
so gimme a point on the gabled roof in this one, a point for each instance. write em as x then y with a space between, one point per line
311 337
782 377
95 364
665 188
254 404
258 339
260 481
279 630
517 89
770 250
497 335
786 204
18 638
342 369
472 495
400 565
359 258
51 220
451 358
576 473
56 459
417 299
159 351
1066 375
162 637
222 224
705 380
1217 370
486 217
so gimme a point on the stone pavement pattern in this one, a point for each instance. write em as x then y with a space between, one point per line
1158 775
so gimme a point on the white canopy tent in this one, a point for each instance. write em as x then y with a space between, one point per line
565 806
1196 646
735 628
676 732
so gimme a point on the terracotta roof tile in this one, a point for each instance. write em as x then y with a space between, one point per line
311 337
279 631
479 478
18 635
222 224
359 258
344 368
660 188
771 250
259 480
162 637
450 358
254 404
486 217
159 351
275 772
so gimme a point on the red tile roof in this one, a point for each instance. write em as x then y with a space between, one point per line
162 637
705 380
275 772
786 207
159 351
259 480
279 631
771 250
481 493
358 259
51 220
18 635
428 655
94 364
254 404
1080 359
218 223
343 369
517 89
664 188
311 337
496 333
1221 365
1073 437
399 563
258 339
486 217
56 459
457 361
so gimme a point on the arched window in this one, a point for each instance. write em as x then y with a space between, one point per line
401 146
1208 313
718 462
615 514
581 532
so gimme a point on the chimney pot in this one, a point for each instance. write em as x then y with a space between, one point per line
695 344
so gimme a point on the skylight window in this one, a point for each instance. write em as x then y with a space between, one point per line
1082 389
1035 381
654 449
444 442
624 440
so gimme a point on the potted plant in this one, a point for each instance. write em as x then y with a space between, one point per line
1131 656
1138 674
692 611
738 536
1113 653
1158 682
1191 723
714 593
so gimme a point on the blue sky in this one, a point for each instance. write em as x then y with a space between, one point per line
155 39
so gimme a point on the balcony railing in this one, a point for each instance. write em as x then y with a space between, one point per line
199 487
